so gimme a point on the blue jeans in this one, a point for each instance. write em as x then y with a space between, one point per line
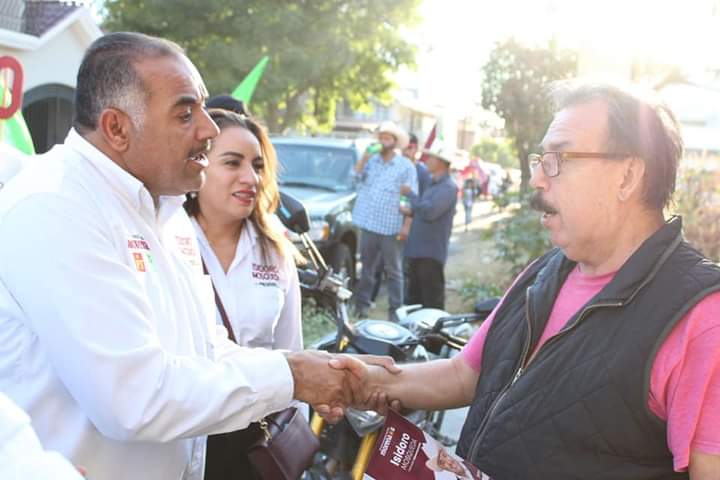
373 247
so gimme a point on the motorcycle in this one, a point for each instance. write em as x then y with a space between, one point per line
420 336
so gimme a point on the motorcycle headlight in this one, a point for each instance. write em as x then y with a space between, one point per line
364 422
319 230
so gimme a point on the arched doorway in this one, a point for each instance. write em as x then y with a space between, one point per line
48 112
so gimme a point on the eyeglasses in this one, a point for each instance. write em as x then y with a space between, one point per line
550 161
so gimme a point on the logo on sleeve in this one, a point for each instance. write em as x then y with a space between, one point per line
140 251
139 262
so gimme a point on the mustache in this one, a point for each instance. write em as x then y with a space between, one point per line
205 148
537 202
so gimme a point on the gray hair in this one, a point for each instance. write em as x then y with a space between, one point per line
107 77
639 125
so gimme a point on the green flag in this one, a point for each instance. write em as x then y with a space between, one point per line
245 90
13 130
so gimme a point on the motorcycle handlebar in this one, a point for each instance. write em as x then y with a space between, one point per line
455 320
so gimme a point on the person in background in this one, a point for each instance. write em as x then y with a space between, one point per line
377 214
468 199
427 246
424 179
228 102
411 153
250 262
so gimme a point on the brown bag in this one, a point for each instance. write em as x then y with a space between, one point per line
287 445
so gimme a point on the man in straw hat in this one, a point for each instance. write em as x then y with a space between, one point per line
427 245
377 213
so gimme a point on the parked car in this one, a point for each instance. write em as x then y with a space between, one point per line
318 172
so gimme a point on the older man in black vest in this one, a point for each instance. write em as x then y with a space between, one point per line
602 359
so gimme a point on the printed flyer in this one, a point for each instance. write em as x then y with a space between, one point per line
403 451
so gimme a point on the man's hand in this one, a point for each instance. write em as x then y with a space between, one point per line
368 394
360 165
316 382
405 229
359 367
405 190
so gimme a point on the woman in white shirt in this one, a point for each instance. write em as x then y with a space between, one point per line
249 260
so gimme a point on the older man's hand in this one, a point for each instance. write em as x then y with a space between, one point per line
316 382
358 366
367 392
405 190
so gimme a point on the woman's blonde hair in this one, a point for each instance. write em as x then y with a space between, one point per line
268 195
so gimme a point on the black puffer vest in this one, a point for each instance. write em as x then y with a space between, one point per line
578 410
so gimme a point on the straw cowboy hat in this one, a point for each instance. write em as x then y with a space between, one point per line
440 150
394 129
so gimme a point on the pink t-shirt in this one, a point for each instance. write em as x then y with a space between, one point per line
685 376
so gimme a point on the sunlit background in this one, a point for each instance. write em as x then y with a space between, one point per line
670 45
639 40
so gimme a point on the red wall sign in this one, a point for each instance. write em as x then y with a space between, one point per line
11 63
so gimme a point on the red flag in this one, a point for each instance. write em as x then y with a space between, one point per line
429 142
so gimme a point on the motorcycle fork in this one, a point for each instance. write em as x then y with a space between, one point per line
363 457
318 423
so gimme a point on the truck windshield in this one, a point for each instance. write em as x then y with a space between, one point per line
318 166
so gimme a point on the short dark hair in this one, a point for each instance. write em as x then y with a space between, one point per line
107 75
639 125
413 139
227 102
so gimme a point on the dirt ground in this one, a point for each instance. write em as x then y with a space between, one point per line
470 260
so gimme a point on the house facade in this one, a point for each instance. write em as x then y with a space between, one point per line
49 39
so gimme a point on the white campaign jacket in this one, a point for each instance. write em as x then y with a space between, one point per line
261 295
107 329
21 455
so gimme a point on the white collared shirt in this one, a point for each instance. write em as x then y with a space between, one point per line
21 455
261 296
107 331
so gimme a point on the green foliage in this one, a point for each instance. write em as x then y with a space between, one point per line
472 291
316 322
515 82
321 51
506 199
519 238
496 150
697 199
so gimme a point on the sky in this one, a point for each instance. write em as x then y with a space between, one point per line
455 37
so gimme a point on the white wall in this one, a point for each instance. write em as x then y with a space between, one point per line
56 61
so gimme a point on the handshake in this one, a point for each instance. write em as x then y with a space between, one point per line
331 383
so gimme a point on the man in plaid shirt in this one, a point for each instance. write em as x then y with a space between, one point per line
377 214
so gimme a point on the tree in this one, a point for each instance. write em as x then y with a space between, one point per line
321 51
493 150
514 86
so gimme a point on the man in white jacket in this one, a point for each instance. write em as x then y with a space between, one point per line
21 455
107 331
